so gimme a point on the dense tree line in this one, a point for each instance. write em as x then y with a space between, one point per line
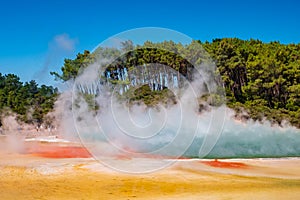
260 79
28 100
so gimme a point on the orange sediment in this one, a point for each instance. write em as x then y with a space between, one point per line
226 164
56 151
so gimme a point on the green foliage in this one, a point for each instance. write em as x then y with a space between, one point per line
29 101
262 79
149 97
72 68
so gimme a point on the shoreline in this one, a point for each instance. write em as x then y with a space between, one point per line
56 140
284 167
31 176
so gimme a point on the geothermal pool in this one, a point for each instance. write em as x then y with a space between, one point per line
65 170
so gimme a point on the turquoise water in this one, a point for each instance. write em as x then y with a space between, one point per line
239 140
252 141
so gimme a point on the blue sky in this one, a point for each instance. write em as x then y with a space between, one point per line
36 36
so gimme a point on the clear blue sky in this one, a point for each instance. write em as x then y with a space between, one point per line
36 36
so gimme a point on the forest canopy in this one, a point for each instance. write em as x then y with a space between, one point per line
28 100
262 80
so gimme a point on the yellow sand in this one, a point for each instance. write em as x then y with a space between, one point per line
177 182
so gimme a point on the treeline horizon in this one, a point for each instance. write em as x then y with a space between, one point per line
29 101
262 80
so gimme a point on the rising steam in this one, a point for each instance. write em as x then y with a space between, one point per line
109 126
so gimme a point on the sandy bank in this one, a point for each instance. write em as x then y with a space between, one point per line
28 177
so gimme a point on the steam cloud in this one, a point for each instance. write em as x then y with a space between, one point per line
179 130
60 46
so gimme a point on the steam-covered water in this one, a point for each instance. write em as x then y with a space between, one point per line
237 140
252 140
